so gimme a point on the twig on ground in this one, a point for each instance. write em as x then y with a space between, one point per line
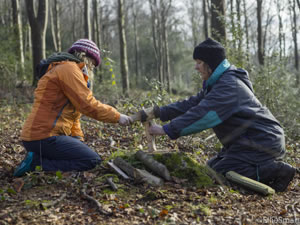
111 183
53 203
99 206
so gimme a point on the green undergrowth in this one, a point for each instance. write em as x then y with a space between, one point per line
180 165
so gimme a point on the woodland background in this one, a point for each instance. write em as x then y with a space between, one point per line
146 49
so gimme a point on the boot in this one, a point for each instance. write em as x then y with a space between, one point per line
277 175
284 176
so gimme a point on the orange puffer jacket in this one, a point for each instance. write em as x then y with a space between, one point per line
61 97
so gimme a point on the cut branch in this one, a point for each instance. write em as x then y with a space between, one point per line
153 165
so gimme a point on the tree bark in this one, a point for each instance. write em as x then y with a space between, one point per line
259 33
295 40
96 26
53 28
136 42
87 20
246 29
56 15
18 33
280 29
218 30
205 18
38 26
156 37
123 48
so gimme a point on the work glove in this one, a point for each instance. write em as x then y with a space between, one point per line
155 129
150 113
125 120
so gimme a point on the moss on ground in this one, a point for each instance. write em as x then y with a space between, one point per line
179 165
184 166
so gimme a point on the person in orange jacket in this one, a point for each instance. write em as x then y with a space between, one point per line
51 134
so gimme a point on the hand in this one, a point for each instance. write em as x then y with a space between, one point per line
125 120
155 129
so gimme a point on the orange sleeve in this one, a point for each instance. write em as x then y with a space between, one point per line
75 88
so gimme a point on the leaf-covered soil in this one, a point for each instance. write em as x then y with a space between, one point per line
57 198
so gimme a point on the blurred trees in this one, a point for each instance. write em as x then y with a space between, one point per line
160 35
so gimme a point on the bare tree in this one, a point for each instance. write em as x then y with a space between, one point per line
218 30
123 48
292 4
260 33
87 20
96 24
165 8
246 29
38 26
18 32
156 37
136 40
205 18
56 15
280 28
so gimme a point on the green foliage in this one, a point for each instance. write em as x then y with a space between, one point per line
184 166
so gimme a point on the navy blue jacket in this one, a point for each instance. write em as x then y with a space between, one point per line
228 105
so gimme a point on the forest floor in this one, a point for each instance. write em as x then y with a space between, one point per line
56 198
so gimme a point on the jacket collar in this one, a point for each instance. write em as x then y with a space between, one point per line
222 67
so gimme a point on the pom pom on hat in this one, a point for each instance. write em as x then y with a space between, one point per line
87 46
211 52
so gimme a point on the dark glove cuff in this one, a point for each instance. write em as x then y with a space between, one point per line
156 111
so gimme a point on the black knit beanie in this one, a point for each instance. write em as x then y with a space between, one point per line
211 52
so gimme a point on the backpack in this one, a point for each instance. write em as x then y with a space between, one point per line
42 67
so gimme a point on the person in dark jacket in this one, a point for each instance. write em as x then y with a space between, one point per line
253 140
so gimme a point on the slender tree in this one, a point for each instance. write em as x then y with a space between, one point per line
136 41
218 30
38 26
295 40
18 33
87 20
123 48
246 25
260 48
205 19
56 15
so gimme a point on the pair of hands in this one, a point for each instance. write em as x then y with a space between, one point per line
154 129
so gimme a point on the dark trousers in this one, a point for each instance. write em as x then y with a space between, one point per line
62 153
264 171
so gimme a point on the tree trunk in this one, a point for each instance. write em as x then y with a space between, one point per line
96 26
123 48
294 32
53 28
194 22
166 56
87 20
136 42
218 30
259 33
205 19
38 26
156 37
56 16
246 29
232 23
280 29
239 26
19 34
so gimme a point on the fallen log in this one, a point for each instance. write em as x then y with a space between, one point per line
153 165
138 174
